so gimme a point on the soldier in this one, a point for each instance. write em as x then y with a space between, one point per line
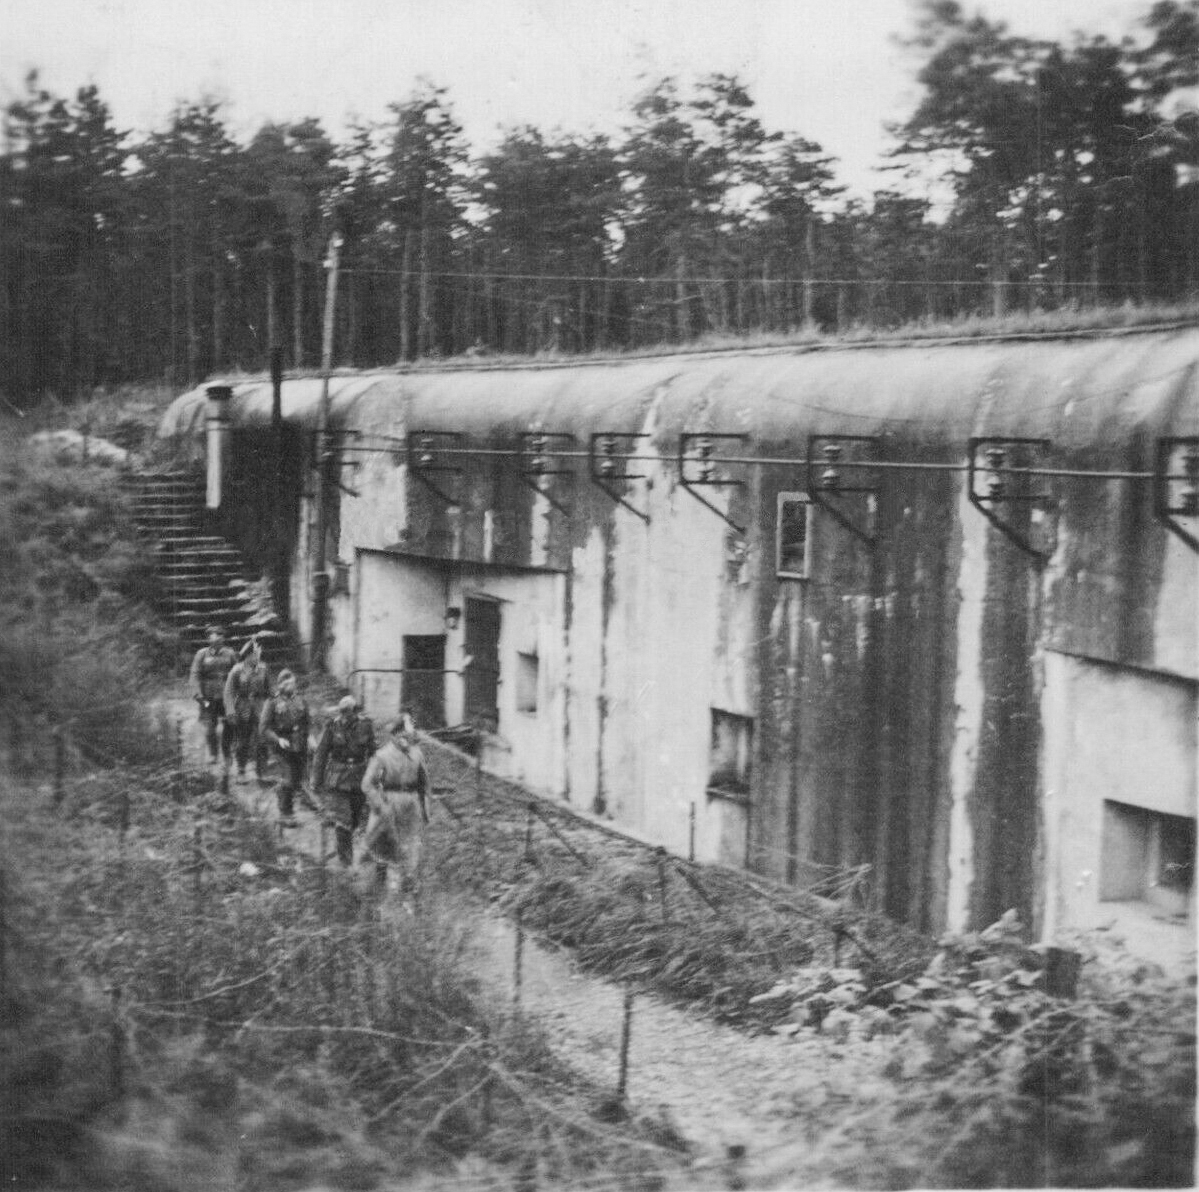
396 785
340 762
209 671
246 691
284 724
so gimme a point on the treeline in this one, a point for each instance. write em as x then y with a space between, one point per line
1033 175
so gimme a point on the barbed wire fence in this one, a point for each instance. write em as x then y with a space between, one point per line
172 841
166 854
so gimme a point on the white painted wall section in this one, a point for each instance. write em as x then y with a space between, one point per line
968 696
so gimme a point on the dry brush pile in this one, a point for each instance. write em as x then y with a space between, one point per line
169 963
979 1076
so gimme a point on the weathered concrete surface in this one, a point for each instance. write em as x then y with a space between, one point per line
902 713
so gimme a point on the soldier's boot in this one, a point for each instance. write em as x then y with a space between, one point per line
345 846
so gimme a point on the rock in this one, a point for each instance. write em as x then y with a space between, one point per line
72 445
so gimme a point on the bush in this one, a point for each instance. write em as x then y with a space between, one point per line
994 1082
76 647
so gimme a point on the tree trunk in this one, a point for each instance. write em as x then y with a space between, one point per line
189 298
998 271
425 329
809 282
297 308
218 313
681 321
406 352
272 312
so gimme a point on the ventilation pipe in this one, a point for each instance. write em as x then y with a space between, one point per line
217 424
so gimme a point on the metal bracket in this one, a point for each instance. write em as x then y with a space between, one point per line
536 460
698 450
607 454
995 467
424 455
333 459
1176 484
828 456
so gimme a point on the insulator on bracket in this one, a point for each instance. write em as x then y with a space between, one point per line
607 462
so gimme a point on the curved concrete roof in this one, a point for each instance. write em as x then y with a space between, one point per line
1077 390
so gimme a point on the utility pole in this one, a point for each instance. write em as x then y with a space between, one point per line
320 574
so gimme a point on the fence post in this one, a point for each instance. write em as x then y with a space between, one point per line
179 741
691 834
60 764
16 744
660 860
324 879
479 842
531 811
626 1032
3 937
197 861
518 959
1062 966
117 1046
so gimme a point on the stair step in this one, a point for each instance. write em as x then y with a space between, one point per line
205 586
200 555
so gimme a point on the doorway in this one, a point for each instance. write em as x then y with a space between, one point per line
423 687
482 644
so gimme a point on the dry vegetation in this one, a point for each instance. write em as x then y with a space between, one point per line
978 1076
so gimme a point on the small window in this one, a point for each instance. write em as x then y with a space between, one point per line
527 671
792 539
731 754
1147 856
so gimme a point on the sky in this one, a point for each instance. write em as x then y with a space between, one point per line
828 70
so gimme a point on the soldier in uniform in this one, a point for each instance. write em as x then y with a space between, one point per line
396 785
246 691
209 672
284 724
342 754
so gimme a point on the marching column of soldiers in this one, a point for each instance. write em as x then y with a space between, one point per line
382 793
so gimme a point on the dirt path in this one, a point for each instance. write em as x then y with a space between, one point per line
733 1097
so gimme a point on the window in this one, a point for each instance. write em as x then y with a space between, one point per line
730 756
1147 856
527 669
792 540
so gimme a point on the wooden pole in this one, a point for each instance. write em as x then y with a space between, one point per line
320 573
60 765
3 938
518 959
660 860
626 1034
117 1046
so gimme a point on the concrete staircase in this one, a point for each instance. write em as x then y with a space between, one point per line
203 579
